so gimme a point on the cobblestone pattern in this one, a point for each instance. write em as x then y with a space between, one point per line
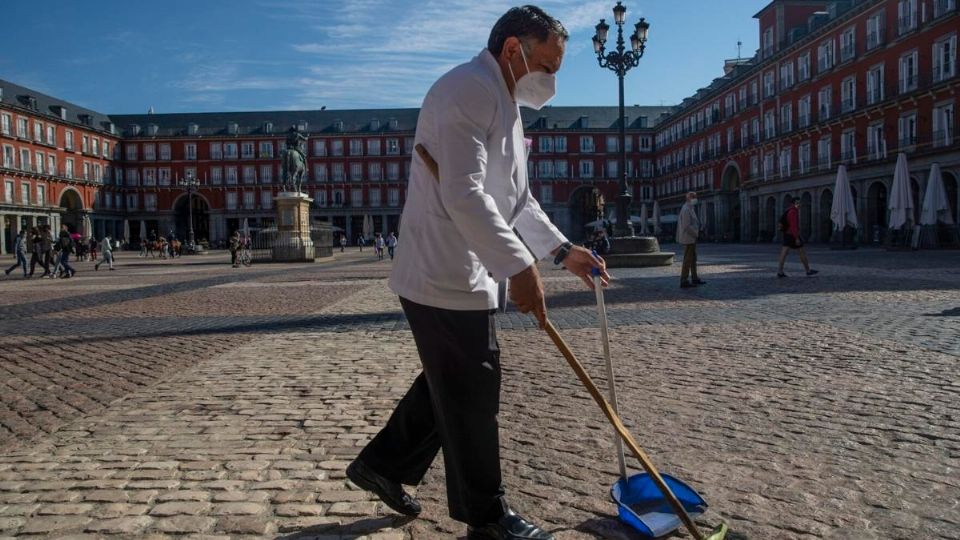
793 423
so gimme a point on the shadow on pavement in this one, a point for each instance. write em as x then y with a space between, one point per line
955 312
348 531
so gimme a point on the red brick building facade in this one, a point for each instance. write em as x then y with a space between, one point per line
852 82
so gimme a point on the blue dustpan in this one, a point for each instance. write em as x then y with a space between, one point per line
641 505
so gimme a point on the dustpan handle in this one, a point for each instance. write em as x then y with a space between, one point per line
622 431
611 381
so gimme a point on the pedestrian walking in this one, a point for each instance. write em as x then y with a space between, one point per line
343 242
49 244
107 253
391 244
379 244
790 227
92 248
20 251
65 246
38 251
361 242
459 242
234 248
688 229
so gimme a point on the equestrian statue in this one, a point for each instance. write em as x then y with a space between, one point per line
293 160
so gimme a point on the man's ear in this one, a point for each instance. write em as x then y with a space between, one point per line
511 47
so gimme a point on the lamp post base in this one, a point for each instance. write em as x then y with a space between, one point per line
636 252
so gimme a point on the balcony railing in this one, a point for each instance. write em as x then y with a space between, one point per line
849 156
943 137
907 141
823 162
874 95
803 121
944 72
906 24
943 7
848 105
823 114
876 151
907 84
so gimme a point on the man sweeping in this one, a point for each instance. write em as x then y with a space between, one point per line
470 226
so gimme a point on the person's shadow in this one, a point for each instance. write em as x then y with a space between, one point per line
955 312
348 530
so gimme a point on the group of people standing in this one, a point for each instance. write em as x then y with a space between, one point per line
379 244
53 253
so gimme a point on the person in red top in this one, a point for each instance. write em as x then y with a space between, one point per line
790 225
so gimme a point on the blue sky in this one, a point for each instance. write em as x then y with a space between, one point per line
214 55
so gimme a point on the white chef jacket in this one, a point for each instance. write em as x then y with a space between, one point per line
458 234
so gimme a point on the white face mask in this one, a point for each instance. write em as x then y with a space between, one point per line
534 89
694 201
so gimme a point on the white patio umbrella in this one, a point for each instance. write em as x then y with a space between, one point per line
656 217
643 219
87 226
143 230
935 207
245 228
842 211
126 230
901 198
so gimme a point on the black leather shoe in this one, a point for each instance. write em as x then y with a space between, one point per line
699 282
686 285
391 493
509 527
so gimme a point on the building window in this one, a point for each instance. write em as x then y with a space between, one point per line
908 72
373 147
768 42
356 172
374 196
786 118
373 171
246 150
25 160
266 174
393 147
848 94
612 168
875 27
875 85
906 16
769 90
266 149
338 172
149 151
337 148
356 197
163 176
149 177
848 44
231 200
216 175
321 197
216 150
823 153
393 197
586 143
249 174
560 169
786 75
165 151
320 172
546 144
786 157
546 194
190 151
266 200
943 125
767 165
804 158
41 195
5 123
8 191
51 135
393 171
560 143
150 202
230 150
769 124
943 7
825 55
68 143
848 146
40 162
803 112
586 169
85 144
249 200
876 142
824 103
106 150
131 152
320 149
52 164
68 169
612 141
133 201
356 147
231 173
945 59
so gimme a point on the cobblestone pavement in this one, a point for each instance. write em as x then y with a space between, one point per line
186 399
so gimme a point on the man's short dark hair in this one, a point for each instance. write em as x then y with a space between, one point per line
524 22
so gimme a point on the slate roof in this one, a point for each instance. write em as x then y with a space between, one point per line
18 96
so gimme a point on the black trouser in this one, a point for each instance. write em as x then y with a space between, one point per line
452 404
38 258
689 263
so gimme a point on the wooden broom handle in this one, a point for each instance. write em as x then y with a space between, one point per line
622 430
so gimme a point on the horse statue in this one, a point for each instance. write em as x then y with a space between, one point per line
293 161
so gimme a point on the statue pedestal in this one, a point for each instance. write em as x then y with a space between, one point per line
293 243
636 251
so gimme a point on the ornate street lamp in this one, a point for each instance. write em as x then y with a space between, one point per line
191 184
620 61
